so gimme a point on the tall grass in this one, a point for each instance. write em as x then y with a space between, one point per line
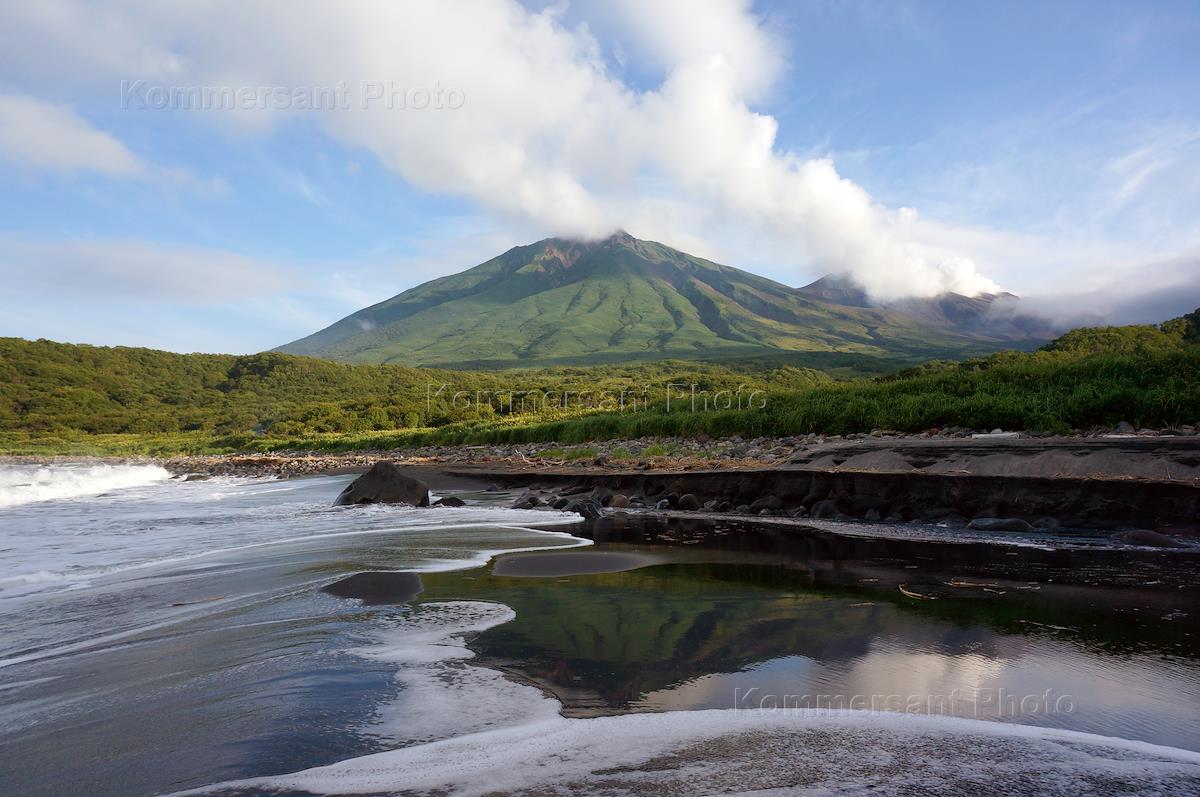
1045 392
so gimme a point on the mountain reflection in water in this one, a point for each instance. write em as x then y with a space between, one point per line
1089 640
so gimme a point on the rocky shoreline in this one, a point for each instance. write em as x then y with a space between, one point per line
1127 481
1145 490
643 455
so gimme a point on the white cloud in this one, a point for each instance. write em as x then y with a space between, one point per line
43 136
547 136
115 291
49 136
667 33
132 269
1132 292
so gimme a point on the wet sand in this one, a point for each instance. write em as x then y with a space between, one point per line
554 565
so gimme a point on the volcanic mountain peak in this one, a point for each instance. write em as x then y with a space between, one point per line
563 301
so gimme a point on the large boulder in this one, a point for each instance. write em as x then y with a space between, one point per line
588 508
1152 539
772 502
385 483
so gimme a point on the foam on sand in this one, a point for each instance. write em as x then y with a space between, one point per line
726 752
470 731
28 484
442 694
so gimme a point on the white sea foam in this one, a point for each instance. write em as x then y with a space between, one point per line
78 540
29 484
469 731
725 752
171 532
442 694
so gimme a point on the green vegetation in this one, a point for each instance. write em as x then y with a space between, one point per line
560 302
64 398
60 398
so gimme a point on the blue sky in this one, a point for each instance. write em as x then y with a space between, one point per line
1051 149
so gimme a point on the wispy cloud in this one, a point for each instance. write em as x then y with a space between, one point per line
133 269
40 136
45 135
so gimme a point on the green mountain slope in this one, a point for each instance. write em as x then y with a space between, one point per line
570 302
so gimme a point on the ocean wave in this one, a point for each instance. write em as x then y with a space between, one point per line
26 485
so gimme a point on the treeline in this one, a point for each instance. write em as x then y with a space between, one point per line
60 397
49 388
1088 378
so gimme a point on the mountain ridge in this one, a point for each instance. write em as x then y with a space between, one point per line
997 315
565 301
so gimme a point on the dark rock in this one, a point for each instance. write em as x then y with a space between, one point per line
772 502
385 483
197 477
999 524
618 501
663 504
1046 523
688 502
893 519
450 500
798 511
587 508
824 510
872 515
742 509
560 502
1125 427
527 501
1148 538
765 512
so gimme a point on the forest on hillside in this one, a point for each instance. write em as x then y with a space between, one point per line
62 397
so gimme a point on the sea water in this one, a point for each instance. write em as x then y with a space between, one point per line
162 636
149 626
